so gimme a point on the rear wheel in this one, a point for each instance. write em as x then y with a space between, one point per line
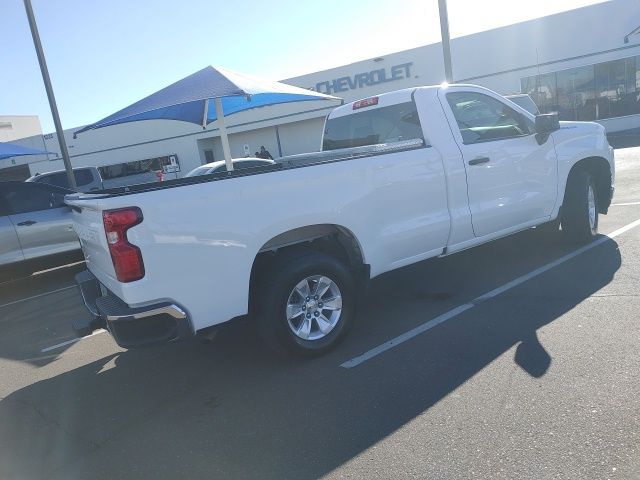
305 303
580 208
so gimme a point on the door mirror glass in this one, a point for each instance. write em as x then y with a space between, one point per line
547 123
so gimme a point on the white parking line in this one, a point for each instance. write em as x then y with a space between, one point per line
354 362
69 342
624 204
37 296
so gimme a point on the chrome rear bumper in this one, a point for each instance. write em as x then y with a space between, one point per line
131 327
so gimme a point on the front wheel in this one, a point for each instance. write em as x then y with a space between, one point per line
306 303
580 208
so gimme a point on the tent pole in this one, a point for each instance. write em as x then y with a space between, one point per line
205 114
64 152
223 134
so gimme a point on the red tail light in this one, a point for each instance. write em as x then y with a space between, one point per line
127 259
366 102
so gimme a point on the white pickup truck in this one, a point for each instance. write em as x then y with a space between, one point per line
402 177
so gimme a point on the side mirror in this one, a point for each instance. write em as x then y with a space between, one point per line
546 124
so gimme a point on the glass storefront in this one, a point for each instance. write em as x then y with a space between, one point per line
593 92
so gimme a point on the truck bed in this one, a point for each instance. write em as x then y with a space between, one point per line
282 163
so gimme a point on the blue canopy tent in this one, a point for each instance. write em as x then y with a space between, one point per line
189 99
8 150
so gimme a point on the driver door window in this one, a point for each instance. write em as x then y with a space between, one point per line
482 118
33 198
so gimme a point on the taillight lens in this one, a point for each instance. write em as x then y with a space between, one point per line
365 102
127 259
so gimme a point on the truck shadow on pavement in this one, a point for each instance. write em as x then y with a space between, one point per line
231 410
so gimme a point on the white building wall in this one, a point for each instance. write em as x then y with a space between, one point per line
556 38
14 127
22 130
301 137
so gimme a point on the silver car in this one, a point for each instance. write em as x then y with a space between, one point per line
35 226
221 166
88 179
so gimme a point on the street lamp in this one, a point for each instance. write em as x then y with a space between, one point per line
446 47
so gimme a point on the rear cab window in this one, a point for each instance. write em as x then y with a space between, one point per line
393 123
58 179
83 176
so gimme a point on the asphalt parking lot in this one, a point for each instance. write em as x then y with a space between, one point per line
517 359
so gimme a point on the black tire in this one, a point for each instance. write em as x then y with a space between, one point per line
576 224
274 288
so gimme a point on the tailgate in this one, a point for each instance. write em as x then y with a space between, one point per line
87 222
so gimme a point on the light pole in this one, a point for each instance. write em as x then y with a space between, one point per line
446 47
52 99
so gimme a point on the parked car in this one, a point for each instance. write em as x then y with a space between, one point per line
219 166
403 177
88 179
36 228
525 101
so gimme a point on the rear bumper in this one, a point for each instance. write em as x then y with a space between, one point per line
130 327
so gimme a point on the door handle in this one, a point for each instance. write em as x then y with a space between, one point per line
26 223
479 160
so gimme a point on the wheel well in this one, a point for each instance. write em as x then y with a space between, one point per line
333 240
599 168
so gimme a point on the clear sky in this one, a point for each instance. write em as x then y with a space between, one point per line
105 55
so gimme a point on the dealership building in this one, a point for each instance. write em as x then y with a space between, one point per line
583 63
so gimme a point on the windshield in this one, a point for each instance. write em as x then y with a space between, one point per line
198 171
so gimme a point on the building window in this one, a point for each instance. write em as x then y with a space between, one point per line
593 92
542 89
616 88
576 93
